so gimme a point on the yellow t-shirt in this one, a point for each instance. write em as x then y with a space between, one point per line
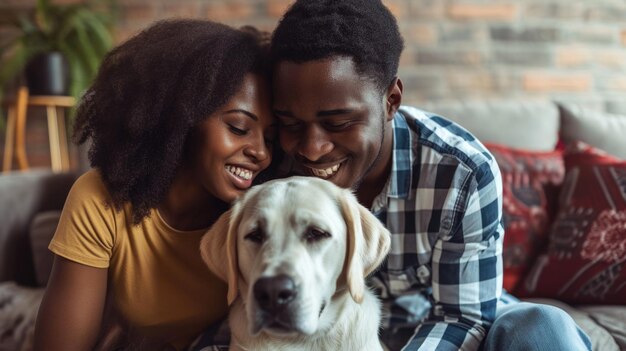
159 282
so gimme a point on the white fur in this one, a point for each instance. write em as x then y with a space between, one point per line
329 271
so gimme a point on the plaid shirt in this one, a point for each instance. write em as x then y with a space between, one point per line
443 206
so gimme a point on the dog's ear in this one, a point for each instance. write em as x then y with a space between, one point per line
218 248
368 243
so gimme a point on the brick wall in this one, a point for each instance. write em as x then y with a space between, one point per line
557 49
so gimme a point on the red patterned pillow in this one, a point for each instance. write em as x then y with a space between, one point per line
586 258
530 189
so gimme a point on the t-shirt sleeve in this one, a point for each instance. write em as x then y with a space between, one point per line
87 228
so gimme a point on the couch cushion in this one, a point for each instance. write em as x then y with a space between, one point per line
530 185
605 131
586 259
616 106
530 125
612 318
41 232
24 194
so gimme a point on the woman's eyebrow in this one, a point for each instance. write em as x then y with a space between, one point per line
247 113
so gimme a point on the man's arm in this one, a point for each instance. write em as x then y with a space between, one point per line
466 269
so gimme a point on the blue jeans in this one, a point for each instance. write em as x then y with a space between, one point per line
529 326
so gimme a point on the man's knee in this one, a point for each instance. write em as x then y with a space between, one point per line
532 326
526 314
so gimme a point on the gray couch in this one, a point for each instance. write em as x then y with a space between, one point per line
27 201
30 205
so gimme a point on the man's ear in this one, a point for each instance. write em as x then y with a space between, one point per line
393 98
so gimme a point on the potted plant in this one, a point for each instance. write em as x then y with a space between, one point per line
53 37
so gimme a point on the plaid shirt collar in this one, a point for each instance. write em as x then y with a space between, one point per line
402 172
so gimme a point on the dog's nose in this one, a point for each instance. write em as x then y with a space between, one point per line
273 293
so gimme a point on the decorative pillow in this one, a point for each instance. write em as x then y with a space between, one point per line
527 124
602 130
585 262
530 192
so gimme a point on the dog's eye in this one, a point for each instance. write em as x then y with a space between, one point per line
256 236
314 234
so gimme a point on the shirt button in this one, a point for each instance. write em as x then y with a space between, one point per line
446 223
423 274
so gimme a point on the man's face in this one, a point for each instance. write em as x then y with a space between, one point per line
333 121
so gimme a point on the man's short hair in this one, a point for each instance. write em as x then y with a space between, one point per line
363 30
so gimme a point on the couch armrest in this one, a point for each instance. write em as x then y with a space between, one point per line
22 196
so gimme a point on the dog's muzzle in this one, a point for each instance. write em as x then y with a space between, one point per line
273 296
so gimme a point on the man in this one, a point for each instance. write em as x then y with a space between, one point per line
438 190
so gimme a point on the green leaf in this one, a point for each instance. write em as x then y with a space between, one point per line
81 31
78 70
14 64
11 68
87 49
99 31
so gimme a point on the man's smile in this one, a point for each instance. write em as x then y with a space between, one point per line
325 172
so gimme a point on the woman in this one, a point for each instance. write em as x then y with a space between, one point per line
180 125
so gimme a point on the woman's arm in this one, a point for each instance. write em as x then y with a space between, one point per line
70 315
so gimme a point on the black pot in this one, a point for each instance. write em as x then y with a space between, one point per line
48 74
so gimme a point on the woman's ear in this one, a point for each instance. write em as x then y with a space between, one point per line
393 98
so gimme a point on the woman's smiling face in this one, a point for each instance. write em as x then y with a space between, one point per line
234 144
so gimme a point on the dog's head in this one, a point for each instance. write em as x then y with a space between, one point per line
288 246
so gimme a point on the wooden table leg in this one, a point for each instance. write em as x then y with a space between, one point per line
53 135
9 141
20 128
65 156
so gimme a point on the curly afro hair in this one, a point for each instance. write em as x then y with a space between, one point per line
149 94
363 30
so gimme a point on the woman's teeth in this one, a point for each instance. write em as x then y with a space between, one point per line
240 172
325 173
